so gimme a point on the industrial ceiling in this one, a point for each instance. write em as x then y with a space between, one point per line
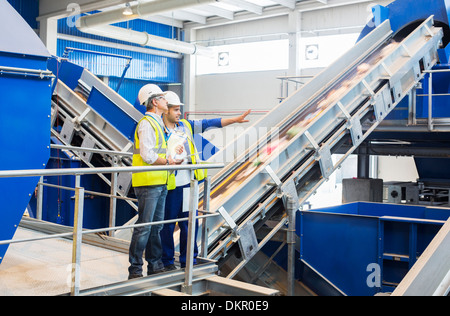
195 13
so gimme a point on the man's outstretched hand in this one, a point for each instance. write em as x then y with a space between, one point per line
238 119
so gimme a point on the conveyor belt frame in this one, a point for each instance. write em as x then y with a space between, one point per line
401 71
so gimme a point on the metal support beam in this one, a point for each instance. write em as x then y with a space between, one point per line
113 200
286 3
291 211
245 5
77 238
61 8
193 204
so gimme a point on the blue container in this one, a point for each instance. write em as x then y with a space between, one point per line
25 107
365 248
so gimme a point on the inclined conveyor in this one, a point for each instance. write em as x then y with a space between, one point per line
361 88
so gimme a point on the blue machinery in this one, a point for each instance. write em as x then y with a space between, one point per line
375 93
25 84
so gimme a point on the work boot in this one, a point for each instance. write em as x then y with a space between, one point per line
134 276
170 267
150 272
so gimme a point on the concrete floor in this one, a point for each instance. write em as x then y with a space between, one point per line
43 268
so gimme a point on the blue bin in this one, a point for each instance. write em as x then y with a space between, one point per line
25 107
366 248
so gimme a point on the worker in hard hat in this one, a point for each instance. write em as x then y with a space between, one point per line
177 202
150 147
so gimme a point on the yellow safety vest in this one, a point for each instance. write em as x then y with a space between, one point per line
140 179
200 174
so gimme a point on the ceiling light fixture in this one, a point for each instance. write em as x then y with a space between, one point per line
127 10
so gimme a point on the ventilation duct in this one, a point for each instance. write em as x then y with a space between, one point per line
145 9
98 24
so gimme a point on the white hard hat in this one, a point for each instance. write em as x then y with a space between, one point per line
172 98
148 91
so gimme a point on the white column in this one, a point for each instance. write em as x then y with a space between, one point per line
294 42
294 46
48 33
189 74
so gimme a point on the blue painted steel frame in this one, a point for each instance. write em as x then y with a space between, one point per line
24 142
68 50
25 116
65 71
402 13
112 113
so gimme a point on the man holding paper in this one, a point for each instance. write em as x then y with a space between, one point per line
177 201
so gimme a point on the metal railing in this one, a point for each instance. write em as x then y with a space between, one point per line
78 231
115 157
294 82
429 121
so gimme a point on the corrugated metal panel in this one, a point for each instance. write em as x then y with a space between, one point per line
28 9
143 66
65 26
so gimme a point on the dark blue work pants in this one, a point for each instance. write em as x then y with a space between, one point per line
151 204
174 210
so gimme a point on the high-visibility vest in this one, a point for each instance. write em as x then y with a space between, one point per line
140 179
200 174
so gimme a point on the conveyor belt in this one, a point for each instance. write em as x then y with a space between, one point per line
294 157
80 118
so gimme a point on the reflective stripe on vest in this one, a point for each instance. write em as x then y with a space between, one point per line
140 179
200 174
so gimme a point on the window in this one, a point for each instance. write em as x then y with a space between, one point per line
246 57
321 51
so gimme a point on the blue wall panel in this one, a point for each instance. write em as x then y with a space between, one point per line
143 66
28 9
129 88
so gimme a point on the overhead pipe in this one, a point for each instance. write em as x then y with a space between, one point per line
98 24
150 8
145 39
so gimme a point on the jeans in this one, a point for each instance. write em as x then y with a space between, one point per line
174 209
151 204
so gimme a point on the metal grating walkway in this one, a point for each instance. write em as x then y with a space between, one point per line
43 268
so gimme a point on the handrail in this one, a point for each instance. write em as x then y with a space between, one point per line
429 121
79 209
83 171
92 150
99 230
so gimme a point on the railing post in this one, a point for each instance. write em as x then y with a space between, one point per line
77 237
291 245
430 102
193 205
412 107
113 200
39 198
